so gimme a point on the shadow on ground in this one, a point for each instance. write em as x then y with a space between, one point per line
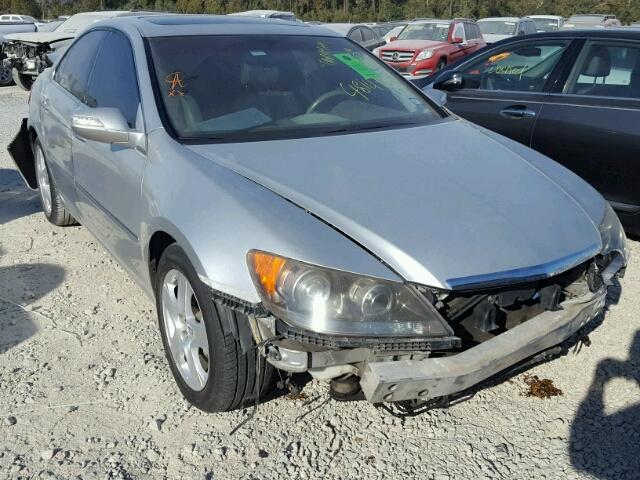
20 286
16 200
608 445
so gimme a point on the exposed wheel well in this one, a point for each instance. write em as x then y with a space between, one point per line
157 245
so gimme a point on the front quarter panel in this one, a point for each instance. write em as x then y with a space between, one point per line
217 216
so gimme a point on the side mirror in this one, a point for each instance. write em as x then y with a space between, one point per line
449 81
105 125
457 40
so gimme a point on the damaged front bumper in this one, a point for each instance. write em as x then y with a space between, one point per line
436 377
410 373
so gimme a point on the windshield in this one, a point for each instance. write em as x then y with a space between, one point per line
77 23
497 27
595 19
425 31
546 24
241 88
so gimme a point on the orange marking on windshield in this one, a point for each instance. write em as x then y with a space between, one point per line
175 80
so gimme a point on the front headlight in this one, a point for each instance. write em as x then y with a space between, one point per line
612 234
329 301
424 54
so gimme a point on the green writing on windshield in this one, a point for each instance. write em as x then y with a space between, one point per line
357 65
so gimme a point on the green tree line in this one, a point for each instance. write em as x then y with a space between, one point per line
340 10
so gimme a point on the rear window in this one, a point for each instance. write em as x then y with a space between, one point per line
497 27
241 88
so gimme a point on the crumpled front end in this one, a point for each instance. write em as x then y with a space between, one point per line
491 330
28 59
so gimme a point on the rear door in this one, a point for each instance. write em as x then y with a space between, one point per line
60 99
108 177
590 122
506 86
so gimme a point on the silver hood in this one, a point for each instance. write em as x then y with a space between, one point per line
443 205
40 37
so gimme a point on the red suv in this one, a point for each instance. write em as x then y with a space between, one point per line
424 47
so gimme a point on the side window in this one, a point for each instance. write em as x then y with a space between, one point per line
367 34
113 82
468 31
522 68
73 71
356 35
608 70
458 31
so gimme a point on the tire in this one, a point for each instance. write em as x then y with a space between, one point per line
25 82
6 77
50 199
442 63
230 378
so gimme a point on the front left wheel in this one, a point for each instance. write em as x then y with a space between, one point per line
206 360
50 199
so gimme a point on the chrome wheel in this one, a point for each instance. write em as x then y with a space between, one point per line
185 330
44 185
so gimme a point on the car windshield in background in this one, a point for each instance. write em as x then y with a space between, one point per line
497 27
425 31
241 88
545 24
77 23
595 19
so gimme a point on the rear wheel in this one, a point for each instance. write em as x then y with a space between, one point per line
6 78
206 360
23 81
50 199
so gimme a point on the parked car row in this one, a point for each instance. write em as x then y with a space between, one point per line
571 95
263 182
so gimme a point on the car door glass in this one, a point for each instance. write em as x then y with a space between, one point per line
356 35
367 35
458 31
73 71
524 67
468 31
607 70
113 82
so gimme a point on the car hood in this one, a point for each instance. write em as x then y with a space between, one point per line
444 205
494 37
40 37
412 45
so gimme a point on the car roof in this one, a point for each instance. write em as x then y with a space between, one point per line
260 13
343 27
621 33
192 25
504 19
545 16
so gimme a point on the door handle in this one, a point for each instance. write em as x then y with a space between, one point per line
517 111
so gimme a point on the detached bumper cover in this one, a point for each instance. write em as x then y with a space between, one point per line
436 377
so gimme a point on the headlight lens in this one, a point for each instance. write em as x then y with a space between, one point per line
612 233
424 54
334 302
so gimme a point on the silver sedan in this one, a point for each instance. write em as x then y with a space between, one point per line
291 203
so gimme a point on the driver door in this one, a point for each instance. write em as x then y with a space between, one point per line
506 87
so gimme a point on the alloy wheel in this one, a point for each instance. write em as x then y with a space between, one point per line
44 185
185 330
5 76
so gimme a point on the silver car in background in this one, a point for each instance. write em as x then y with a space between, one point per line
284 196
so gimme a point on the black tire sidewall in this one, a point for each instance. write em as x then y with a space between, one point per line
214 396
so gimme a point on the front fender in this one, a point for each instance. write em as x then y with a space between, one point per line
217 216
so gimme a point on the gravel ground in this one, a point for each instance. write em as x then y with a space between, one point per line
85 391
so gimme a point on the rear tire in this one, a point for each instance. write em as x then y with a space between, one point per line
50 199
223 378
6 77
23 81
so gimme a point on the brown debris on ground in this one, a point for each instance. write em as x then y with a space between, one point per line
296 396
540 387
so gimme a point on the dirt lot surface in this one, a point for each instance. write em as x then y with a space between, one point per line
85 391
